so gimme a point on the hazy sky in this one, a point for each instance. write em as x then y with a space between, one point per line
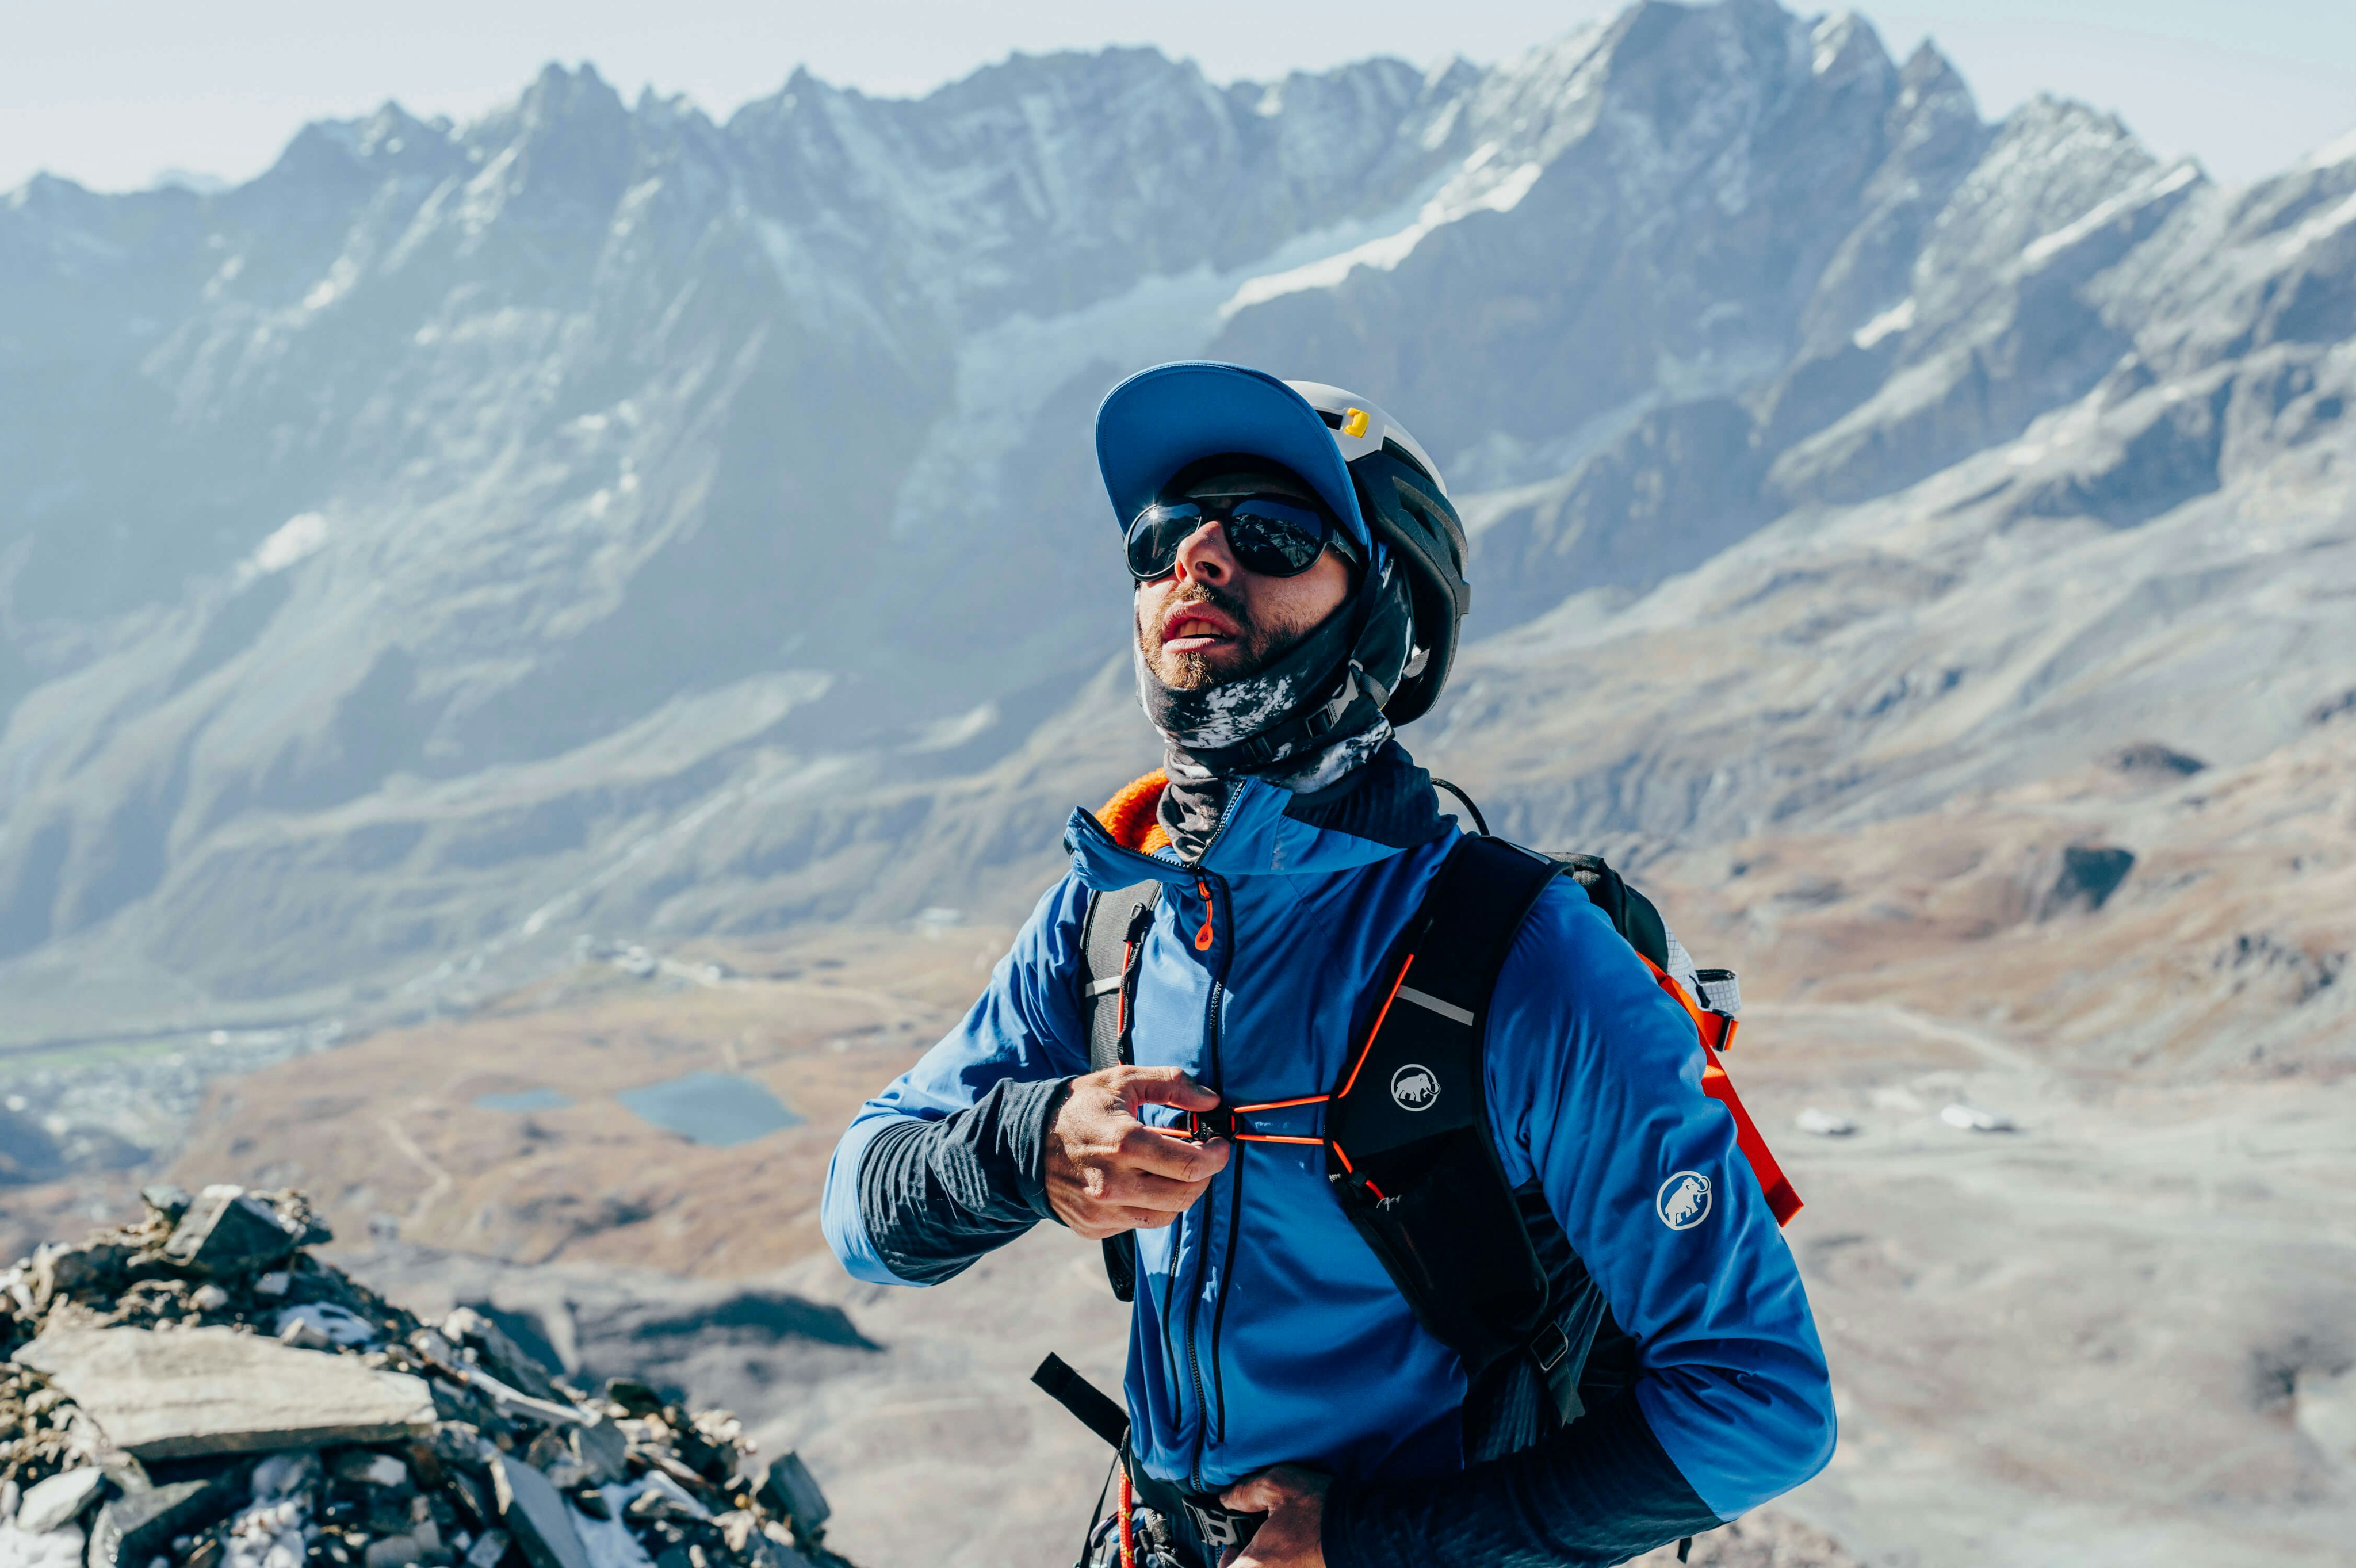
111 91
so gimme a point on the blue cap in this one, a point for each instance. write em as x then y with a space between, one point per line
1160 419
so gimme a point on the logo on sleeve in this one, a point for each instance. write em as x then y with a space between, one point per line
1414 1088
1683 1200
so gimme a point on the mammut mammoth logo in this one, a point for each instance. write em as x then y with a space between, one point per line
1683 1200
1414 1088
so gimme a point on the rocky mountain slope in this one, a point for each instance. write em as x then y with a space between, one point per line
597 517
545 582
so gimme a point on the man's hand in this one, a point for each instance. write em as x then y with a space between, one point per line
1107 1172
1292 1535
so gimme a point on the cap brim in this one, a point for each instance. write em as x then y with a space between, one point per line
1160 419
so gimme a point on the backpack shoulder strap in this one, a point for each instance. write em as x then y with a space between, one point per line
1407 1129
1113 933
1112 936
1407 1145
1631 913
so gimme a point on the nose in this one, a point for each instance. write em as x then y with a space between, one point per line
1204 556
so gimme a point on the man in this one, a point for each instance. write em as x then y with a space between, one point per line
1298 582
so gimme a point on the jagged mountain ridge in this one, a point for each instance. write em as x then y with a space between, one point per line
598 516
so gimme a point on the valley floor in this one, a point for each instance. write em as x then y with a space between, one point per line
2116 1334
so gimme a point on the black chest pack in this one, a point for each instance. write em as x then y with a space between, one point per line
1485 1268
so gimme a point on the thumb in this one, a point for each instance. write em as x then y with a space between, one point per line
1167 1086
1256 1494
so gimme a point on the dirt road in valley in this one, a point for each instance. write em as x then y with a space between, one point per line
2076 1342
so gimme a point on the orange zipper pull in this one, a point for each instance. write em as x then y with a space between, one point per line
1202 937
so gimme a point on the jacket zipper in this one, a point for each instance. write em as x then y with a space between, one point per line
1204 939
1203 942
1203 1264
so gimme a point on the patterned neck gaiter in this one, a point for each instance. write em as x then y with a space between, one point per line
1303 723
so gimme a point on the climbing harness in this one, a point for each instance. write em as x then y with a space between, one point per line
1138 1533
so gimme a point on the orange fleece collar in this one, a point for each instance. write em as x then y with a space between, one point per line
1130 816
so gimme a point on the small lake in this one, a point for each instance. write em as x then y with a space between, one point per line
716 1109
524 1100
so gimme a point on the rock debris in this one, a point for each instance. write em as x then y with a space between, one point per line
199 1389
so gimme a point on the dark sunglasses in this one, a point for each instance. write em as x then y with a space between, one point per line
1268 535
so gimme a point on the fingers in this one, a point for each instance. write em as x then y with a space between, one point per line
1164 1086
1129 1200
1274 1487
1256 1494
1134 1201
1107 1172
1150 1150
1143 1189
1104 1223
1140 1160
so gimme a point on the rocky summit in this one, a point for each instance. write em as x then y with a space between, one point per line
600 518
200 1388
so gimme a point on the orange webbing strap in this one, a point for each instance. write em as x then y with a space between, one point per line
1225 1121
1716 1029
1243 1137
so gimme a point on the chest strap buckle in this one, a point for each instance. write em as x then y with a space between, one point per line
1202 1126
1227 1121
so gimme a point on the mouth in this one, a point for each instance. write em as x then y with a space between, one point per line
1196 628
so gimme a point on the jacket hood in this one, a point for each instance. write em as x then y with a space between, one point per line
1384 807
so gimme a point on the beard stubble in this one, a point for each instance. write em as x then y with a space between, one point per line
1254 649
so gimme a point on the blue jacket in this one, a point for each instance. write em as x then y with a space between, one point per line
1265 1330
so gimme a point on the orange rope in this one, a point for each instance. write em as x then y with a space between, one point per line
1127 1527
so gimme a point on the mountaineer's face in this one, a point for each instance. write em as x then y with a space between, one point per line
1211 619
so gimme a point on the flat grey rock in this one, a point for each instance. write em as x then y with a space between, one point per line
533 1511
601 1450
227 1232
131 1530
60 1500
215 1391
502 1357
792 1490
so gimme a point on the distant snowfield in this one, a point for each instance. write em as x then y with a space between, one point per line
1462 194
1006 373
